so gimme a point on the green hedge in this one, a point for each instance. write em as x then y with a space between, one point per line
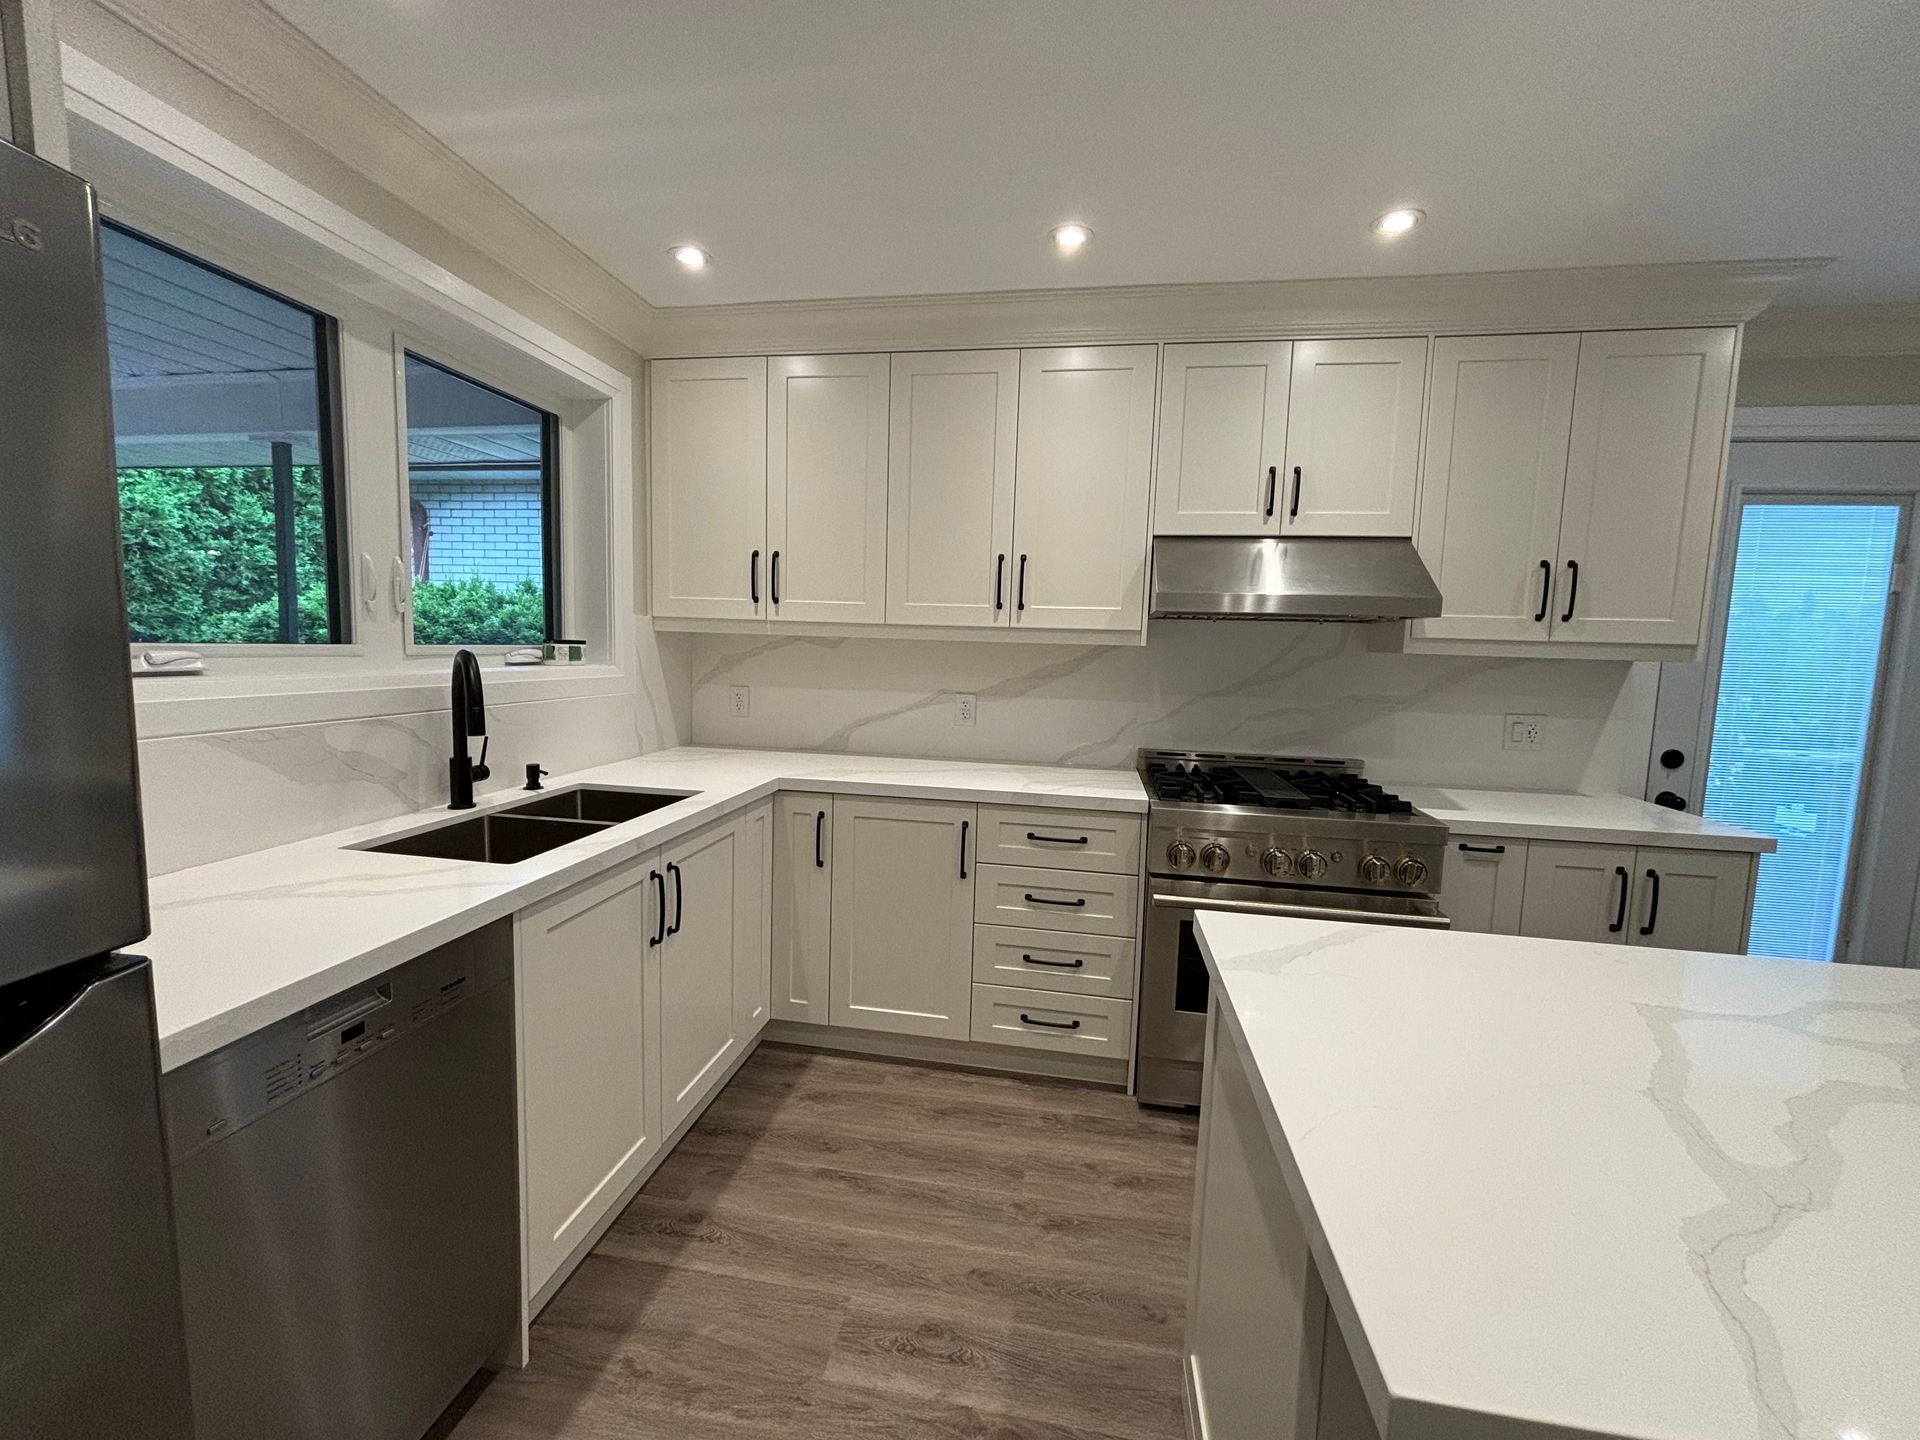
477 612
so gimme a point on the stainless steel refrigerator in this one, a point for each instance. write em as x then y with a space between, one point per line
91 1343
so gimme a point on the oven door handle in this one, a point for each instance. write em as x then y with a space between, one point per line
1302 912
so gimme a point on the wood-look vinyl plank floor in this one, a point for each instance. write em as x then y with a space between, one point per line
861 1249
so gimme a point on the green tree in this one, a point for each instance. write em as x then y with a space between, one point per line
474 611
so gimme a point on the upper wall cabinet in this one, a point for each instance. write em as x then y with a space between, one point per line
1571 485
708 477
1643 482
1353 437
827 488
1083 472
1223 438
950 503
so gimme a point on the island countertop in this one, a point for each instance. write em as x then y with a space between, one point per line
1562 1190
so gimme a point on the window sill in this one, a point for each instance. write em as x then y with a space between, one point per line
197 704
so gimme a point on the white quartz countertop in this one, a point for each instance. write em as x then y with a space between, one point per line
1594 819
242 943
1595 1190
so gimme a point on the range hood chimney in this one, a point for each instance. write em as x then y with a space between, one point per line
1223 577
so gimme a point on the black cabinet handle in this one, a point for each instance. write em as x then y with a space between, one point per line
1653 904
1020 594
1063 904
674 871
1060 839
1026 1019
819 831
773 576
1620 914
660 913
753 578
1293 510
1273 486
1073 964
1573 588
1000 583
1467 849
963 849
1546 590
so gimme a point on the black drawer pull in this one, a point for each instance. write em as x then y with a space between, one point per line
1074 964
1026 1019
1546 590
1293 510
1063 904
1467 849
819 830
1273 478
660 910
1573 589
964 827
1059 839
1620 915
1653 904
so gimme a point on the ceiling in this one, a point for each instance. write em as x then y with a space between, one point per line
892 147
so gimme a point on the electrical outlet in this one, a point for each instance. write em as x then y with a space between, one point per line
1524 732
964 708
740 701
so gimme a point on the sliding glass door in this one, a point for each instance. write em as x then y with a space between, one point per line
1802 663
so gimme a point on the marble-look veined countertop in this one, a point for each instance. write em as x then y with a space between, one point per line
1590 819
1595 1190
242 943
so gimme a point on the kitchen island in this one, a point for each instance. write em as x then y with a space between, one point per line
1458 1185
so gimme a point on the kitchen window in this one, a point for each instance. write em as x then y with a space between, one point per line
224 435
479 511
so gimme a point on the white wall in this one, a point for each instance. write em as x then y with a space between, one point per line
1253 686
208 796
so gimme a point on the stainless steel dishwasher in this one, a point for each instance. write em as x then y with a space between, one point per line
346 1197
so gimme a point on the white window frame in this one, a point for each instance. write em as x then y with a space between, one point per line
165 174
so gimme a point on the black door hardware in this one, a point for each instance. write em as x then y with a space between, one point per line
963 849
1573 588
660 911
1546 590
1073 964
1000 583
1672 759
773 576
1653 904
819 830
1063 904
1293 510
1671 799
1020 597
1620 915
1026 1019
1059 839
753 578
1467 849
1273 486
674 871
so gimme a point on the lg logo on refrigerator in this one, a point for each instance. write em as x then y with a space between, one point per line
25 234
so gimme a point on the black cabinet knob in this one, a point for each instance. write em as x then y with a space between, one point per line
1670 800
1672 759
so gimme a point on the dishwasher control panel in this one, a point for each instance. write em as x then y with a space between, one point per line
219 1094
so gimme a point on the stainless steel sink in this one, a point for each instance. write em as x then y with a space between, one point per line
589 802
499 838
520 832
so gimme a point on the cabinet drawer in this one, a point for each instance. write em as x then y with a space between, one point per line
1053 960
1056 899
1039 1020
1068 839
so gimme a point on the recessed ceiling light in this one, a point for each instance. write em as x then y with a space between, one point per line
691 257
1396 223
1070 239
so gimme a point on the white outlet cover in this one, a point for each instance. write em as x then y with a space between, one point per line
1524 732
965 707
740 701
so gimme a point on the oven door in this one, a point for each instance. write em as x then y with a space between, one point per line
1174 985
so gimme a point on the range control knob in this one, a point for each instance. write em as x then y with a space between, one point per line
1277 862
1410 872
1180 855
1373 870
1214 857
1312 864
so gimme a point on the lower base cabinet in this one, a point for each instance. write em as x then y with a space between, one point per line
1679 899
802 906
1092 1025
590 1102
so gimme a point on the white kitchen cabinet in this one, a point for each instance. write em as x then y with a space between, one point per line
950 487
1069 839
1691 899
1054 960
1095 1026
708 488
753 923
1482 884
1091 902
827 488
1083 471
1498 419
714 927
802 906
902 937
1353 437
1648 447
591 1107
1223 438
1577 892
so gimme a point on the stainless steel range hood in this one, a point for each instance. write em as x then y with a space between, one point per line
1223 577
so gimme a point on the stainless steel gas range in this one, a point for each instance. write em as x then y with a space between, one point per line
1268 835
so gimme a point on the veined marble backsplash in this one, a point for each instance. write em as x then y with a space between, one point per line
209 796
1315 689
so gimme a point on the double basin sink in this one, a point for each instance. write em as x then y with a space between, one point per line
519 832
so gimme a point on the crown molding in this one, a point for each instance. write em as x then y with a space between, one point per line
1826 422
256 53
1836 330
1598 298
